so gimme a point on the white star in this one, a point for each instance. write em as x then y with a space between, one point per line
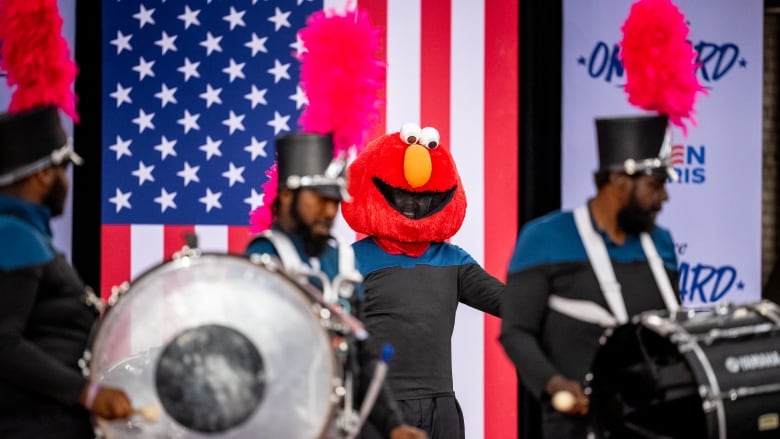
257 96
279 19
235 122
166 147
166 42
279 71
211 147
299 97
211 95
122 95
144 16
211 200
143 173
235 18
255 200
121 200
189 173
257 44
122 42
233 174
279 123
122 147
211 43
189 121
257 149
144 120
189 69
298 45
165 200
189 17
144 68
235 70
166 95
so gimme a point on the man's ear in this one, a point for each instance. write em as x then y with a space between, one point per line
620 181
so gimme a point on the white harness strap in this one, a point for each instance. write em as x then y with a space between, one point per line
342 285
287 252
659 273
582 310
599 260
591 312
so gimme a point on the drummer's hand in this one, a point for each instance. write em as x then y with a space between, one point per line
108 403
558 383
407 432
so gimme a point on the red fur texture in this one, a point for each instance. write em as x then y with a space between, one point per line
36 57
369 213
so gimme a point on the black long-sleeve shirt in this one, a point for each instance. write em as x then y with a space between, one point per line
410 302
550 259
45 320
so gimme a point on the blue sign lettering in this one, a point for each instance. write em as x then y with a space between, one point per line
604 61
715 60
705 283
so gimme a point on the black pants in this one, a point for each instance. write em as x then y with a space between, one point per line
440 417
58 425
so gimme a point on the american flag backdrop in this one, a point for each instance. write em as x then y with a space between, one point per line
194 91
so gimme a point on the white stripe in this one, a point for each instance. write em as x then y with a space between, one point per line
338 5
466 137
146 248
146 251
212 239
403 71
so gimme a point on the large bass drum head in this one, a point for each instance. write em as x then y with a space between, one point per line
216 347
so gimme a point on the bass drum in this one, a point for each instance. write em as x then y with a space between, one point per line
708 374
215 346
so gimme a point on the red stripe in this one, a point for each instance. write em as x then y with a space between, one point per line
377 10
114 257
435 67
238 238
174 239
501 116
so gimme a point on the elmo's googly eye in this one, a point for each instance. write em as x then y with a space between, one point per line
410 133
429 138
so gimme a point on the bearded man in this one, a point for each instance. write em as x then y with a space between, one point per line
574 273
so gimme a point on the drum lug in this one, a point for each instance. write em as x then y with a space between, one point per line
117 292
84 362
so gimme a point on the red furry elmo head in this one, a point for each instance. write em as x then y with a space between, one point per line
405 188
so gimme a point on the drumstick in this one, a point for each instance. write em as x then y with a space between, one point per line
151 412
563 401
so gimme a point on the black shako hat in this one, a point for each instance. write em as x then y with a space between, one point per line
32 140
635 145
305 160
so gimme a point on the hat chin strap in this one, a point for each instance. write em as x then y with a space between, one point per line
56 157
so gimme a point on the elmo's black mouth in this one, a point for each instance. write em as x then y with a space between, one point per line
414 205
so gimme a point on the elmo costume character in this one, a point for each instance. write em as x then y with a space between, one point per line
408 199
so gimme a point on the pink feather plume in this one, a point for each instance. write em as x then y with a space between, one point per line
261 218
36 57
342 76
659 61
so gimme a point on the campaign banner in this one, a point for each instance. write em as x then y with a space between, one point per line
61 226
714 209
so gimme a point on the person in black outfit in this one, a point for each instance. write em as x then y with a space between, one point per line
46 312
303 215
559 299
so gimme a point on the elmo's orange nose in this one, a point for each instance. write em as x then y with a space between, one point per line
417 165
